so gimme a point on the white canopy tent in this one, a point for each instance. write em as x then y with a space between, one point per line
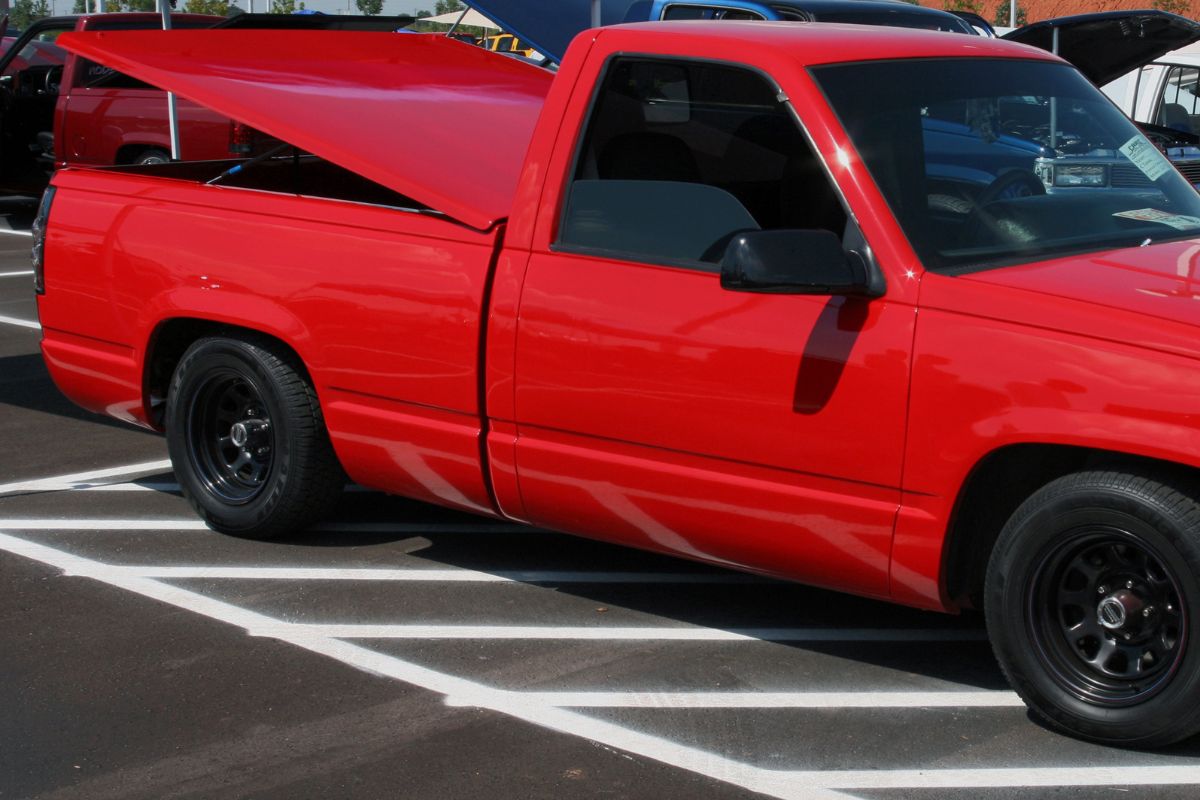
473 18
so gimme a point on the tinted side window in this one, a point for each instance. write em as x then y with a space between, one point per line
699 11
90 75
1179 106
678 157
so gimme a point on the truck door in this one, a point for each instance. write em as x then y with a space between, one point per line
30 72
658 409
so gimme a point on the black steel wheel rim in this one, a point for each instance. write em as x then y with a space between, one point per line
1107 616
230 436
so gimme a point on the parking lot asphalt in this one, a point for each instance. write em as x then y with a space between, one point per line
405 651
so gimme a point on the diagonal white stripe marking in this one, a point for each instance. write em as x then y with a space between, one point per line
59 482
20 323
16 274
16 233
428 575
684 700
604 634
782 784
459 690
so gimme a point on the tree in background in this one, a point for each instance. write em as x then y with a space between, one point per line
444 7
1174 6
285 6
24 12
974 6
218 7
439 7
369 7
1002 14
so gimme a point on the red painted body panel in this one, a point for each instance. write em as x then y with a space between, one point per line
997 366
372 102
95 126
126 254
823 439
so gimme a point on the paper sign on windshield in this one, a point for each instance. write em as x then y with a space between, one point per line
1146 157
1180 221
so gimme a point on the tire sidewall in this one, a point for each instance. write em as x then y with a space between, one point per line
194 368
1024 544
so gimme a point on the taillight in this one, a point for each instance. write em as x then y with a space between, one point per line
39 240
241 139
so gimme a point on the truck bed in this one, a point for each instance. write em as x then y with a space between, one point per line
382 303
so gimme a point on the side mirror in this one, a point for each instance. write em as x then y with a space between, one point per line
796 262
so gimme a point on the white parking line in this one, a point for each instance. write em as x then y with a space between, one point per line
171 525
16 233
782 784
752 699
170 487
600 633
20 323
1089 775
16 274
426 575
60 482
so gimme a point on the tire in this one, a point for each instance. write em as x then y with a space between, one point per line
247 439
153 156
1093 608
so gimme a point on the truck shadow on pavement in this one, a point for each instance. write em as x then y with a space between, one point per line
25 383
956 651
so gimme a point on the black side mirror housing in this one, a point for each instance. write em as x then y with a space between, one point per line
797 262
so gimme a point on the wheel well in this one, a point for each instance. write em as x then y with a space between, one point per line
1000 483
126 153
172 339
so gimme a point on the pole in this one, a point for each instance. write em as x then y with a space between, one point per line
1012 13
1054 104
596 14
172 107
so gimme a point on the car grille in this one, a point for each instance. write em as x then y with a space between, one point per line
1127 176
1190 170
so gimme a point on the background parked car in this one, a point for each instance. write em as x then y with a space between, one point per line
58 109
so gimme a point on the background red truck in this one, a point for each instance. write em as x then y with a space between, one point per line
113 118
57 108
699 292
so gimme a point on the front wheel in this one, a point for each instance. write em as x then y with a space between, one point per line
1093 603
247 439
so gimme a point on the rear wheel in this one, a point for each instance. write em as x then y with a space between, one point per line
247 439
1093 603
152 156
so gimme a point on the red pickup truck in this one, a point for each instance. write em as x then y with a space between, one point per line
794 299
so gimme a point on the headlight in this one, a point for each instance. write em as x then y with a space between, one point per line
1080 175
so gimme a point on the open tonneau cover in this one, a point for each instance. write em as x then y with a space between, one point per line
439 121
1106 45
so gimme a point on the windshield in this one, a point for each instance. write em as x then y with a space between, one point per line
996 161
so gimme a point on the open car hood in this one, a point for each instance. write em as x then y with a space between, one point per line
442 122
1105 46
550 27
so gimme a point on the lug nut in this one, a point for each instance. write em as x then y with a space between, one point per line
1147 611
1128 584
1102 590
